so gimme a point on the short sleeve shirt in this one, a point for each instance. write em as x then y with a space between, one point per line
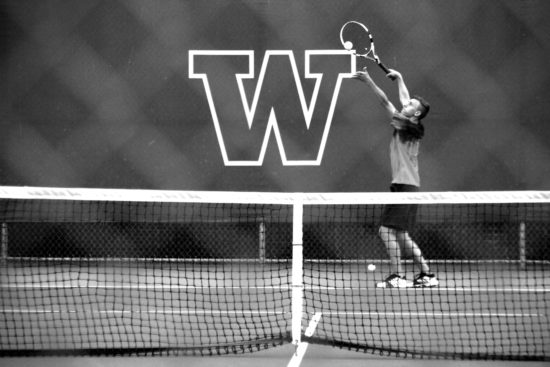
404 149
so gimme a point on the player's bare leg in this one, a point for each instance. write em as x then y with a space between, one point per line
425 278
396 278
412 250
389 237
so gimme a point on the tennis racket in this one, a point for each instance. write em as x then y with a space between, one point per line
357 39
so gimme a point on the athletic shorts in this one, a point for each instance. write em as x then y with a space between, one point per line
401 217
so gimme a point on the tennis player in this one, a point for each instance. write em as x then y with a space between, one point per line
398 220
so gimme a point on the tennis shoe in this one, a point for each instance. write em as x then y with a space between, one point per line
395 281
425 280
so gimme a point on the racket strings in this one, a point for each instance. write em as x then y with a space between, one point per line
356 37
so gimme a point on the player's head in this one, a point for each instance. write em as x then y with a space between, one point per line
416 108
422 107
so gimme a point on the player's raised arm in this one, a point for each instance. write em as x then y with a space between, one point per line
382 97
404 96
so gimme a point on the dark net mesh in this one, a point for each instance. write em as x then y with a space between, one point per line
491 262
83 277
149 277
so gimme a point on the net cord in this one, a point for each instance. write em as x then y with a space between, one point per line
240 197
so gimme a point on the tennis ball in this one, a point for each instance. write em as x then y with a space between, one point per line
348 45
371 267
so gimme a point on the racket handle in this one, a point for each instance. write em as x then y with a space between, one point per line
386 70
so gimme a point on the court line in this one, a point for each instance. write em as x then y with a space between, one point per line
136 286
146 311
274 312
301 348
434 314
94 285
435 289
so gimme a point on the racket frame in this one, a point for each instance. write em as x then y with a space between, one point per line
370 52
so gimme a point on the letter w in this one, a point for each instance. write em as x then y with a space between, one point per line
301 137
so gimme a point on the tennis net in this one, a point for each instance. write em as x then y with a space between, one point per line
143 272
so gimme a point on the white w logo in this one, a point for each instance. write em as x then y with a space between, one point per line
305 143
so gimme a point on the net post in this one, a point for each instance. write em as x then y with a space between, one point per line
4 244
522 258
297 271
261 240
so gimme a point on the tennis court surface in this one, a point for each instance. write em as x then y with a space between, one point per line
138 272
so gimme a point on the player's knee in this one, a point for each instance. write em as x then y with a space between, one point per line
404 236
384 231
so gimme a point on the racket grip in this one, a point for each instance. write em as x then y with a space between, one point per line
386 70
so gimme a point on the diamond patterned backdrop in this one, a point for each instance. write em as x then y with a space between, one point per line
96 93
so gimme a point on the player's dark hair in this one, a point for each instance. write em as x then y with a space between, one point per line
425 106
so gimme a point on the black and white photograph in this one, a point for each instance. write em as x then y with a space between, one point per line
274 182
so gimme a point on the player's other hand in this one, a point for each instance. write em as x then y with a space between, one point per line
361 75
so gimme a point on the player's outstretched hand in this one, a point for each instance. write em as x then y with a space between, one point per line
361 75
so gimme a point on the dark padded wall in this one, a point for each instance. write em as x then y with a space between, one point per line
99 93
